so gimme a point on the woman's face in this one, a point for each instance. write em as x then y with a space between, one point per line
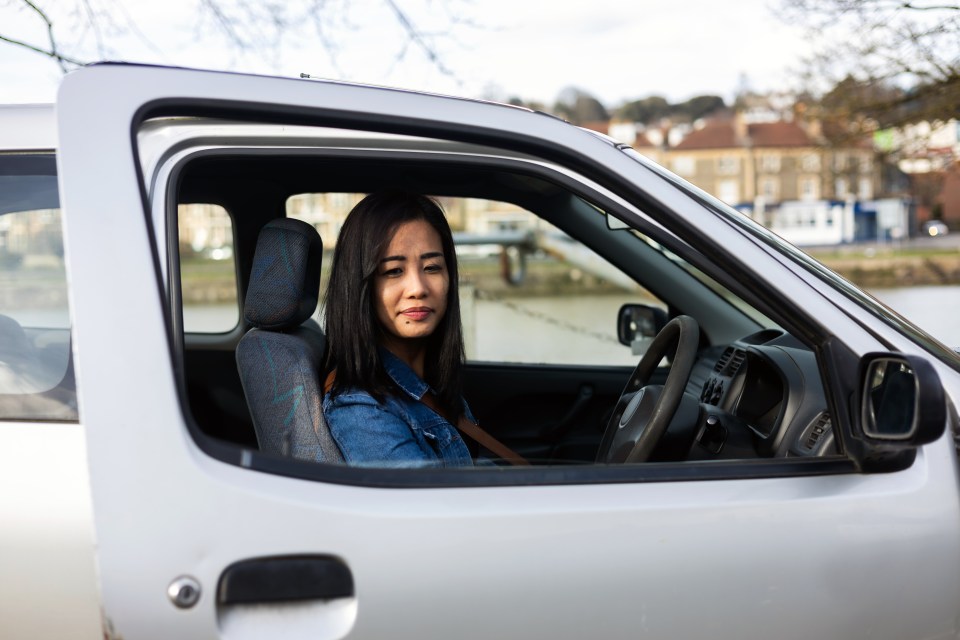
410 288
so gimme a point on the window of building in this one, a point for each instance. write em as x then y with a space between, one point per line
728 164
865 188
684 165
809 188
770 188
841 188
770 163
810 162
208 272
729 191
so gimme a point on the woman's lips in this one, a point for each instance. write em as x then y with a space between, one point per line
417 313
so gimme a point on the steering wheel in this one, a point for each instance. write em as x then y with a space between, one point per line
644 412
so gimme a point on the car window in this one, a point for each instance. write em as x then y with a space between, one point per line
533 296
36 377
208 271
525 286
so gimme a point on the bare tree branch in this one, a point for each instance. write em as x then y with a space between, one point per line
248 27
941 7
418 39
53 51
908 50
94 24
226 24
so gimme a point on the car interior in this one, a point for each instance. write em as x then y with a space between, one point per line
752 390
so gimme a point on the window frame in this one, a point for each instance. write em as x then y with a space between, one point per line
543 475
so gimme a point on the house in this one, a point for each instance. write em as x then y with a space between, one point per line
784 174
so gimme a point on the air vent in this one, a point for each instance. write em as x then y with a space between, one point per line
724 359
816 431
738 358
729 363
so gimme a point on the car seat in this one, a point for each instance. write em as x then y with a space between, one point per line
279 359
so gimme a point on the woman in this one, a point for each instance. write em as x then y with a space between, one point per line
395 341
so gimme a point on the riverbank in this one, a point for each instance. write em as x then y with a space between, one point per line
873 268
212 282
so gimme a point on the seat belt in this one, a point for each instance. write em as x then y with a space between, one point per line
463 424
478 435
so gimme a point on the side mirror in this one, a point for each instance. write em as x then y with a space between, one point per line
638 325
902 404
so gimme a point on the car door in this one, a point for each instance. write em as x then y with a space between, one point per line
198 539
46 537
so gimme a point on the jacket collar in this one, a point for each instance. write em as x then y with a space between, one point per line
403 375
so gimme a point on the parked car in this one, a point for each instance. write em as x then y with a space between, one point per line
780 462
935 228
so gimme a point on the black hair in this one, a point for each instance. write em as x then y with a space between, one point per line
353 330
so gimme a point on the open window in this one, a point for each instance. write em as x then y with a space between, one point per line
546 265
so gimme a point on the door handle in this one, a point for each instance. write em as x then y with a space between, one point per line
285 579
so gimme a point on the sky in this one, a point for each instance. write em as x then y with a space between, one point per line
615 50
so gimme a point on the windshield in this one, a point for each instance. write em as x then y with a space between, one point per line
731 298
837 282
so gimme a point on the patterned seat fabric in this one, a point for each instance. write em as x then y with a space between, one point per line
280 358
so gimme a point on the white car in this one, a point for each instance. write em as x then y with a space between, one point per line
792 473
935 228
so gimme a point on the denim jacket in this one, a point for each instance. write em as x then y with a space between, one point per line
401 431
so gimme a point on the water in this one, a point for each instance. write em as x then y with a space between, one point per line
582 330
935 309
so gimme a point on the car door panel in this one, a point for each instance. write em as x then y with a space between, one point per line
546 412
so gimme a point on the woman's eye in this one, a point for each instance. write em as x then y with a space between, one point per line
433 268
393 272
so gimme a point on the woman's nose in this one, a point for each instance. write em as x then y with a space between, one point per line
416 285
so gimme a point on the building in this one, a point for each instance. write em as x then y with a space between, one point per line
787 176
742 162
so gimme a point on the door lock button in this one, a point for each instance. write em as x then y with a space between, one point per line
184 592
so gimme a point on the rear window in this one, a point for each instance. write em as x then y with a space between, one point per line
36 373
208 272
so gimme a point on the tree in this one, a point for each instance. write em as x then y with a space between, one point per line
892 61
652 109
579 107
699 106
81 31
646 110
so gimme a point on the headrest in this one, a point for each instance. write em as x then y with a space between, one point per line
285 279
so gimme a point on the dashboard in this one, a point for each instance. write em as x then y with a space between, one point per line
761 396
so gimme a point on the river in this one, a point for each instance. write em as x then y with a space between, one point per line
581 330
935 309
